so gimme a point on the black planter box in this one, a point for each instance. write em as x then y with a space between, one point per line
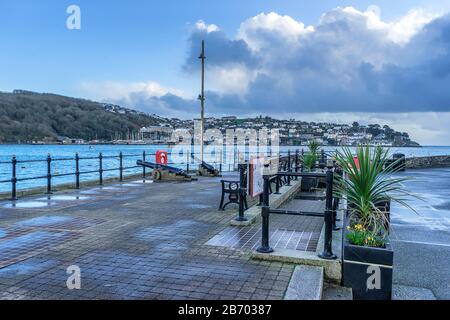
365 264
309 183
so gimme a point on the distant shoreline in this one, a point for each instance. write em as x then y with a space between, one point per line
168 144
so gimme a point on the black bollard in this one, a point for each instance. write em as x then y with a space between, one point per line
265 215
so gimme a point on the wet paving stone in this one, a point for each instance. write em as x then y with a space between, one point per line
135 243
60 222
12 231
27 245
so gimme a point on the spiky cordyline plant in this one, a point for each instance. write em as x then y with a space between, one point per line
310 159
313 147
370 185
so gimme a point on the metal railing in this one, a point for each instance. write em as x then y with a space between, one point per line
49 175
329 214
287 162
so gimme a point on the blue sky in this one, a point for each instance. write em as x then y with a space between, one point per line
142 54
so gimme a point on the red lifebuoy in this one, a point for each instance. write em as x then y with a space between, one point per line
162 157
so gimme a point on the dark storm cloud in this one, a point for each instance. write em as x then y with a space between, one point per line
341 66
349 62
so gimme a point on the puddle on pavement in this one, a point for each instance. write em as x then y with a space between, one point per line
143 181
2 233
29 244
91 191
110 188
28 240
44 221
27 205
64 198
129 185
198 206
193 204
25 268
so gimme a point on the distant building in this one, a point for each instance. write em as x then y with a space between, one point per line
230 118
156 134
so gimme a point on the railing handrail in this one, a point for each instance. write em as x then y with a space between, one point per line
329 213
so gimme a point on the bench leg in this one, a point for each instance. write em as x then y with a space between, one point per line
221 202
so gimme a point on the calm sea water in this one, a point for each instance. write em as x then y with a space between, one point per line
40 152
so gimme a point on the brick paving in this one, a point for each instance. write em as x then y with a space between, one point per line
145 242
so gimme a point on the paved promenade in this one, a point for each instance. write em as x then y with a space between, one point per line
131 241
421 240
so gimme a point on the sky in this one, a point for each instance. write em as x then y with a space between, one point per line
384 62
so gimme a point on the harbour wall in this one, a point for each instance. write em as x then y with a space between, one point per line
428 162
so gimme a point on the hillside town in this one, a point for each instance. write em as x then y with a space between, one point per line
292 132
159 130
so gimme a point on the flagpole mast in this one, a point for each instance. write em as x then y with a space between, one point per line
202 100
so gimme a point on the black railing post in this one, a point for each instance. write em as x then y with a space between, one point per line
302 167
77 171
242 191
266 192
265 215
100 169
335 208
221 160
187 162
327 250
338 171
143 167
120 166
296 162
277 185
289 167
49 174
14 178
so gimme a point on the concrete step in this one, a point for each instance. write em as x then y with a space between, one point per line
306 284
334 292
400 292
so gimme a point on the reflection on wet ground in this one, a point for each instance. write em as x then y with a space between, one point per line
421 239
26 204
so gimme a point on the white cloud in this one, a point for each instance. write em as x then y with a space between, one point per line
401 30
202 26
283 27
234 79
113 90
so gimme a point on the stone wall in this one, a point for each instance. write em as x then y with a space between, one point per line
428 162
